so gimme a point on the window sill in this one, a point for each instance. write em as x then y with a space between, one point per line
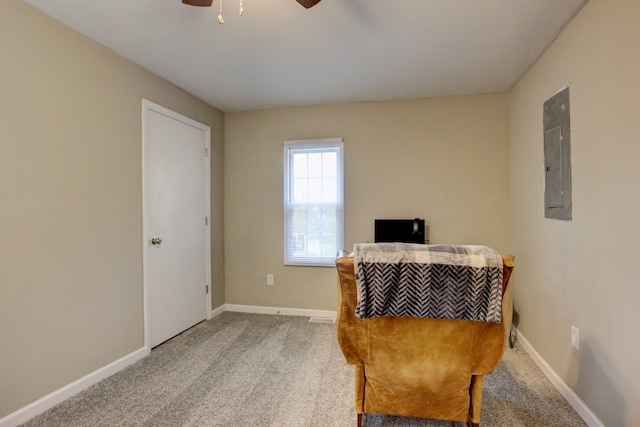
309 264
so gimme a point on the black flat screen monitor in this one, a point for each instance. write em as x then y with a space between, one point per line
400 230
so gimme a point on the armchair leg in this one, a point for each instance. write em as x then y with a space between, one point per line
472 424
359 420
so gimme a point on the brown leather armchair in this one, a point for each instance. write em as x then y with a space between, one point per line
419 367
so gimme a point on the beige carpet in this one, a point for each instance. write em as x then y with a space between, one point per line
261 370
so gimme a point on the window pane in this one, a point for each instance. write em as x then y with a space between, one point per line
315 190
329 220
329 165
315 165
300 189
329 247
329 190
300 165
314 232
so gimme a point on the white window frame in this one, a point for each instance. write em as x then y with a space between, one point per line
290 148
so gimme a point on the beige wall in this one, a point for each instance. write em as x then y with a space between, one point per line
70 200
582 272
445 160
70 203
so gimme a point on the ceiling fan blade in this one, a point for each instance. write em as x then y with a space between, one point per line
198 2
307 3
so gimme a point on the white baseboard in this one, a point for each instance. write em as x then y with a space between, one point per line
258 309
216 312
31 410
25 413
580 407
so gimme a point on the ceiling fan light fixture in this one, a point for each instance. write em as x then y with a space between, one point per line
207 3
220 18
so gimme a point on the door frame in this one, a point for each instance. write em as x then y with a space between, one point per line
147 107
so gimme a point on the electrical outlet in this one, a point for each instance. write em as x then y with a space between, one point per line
575 337
269 279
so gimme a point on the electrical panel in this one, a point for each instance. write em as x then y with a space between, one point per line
557 157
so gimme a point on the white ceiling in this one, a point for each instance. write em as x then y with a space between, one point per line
279 54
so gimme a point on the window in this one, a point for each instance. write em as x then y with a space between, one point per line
313 201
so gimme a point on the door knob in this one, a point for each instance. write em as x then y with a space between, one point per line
156 241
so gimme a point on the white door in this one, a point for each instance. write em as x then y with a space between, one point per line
176 222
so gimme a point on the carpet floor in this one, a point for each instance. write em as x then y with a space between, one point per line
243 369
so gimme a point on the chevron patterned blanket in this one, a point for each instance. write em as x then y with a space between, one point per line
435 281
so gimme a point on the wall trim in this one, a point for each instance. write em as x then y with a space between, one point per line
216 312
33 409
567 392
258 309
26 413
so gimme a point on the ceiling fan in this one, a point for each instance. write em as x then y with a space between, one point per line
305 3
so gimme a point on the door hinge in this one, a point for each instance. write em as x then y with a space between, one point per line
206 220
206 152
206 288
